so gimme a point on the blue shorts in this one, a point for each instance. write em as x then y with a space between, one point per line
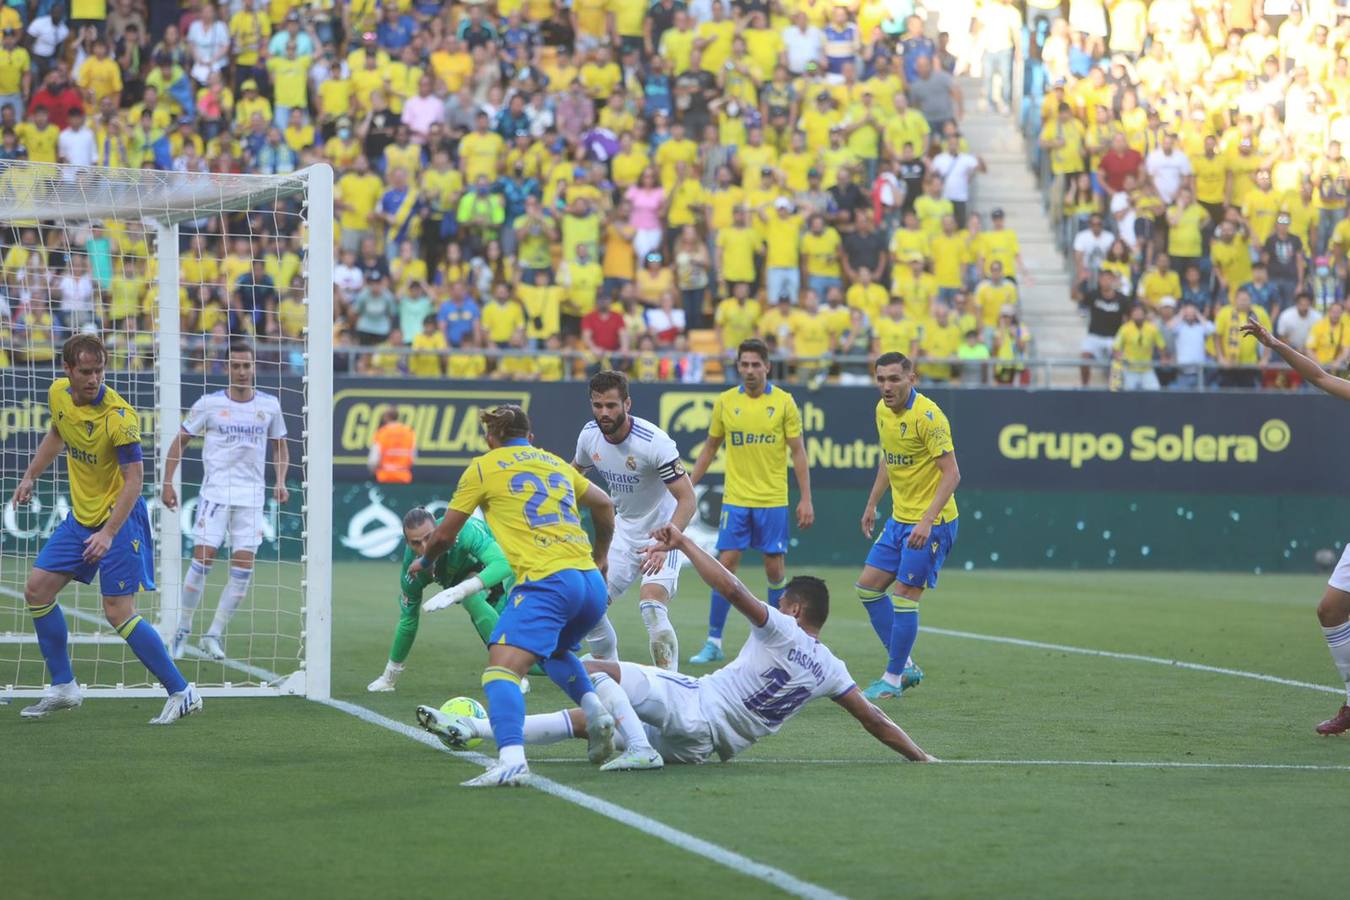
128 567
553 613
755 528
916 568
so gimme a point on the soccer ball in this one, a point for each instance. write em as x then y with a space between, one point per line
469 708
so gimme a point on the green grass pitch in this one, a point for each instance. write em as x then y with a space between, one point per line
286 798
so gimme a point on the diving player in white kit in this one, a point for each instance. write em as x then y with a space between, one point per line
679 719
643 474
237 425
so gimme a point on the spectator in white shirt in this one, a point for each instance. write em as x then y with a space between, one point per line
209 40
348 277
1295 323
802 43
1090 247
1168 167
48 32
75 146
77 294
958 169
1190 333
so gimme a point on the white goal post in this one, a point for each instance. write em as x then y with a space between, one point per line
174 269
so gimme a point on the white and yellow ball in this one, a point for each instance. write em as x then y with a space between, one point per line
469 708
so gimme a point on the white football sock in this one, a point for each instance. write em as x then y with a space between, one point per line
715 641
230 598
603 641
548 728
591 705
1338 641
193 586
510 756
392 670
626 720
655 616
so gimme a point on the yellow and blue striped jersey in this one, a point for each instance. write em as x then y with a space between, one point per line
529 498
756 431
95 435
911 442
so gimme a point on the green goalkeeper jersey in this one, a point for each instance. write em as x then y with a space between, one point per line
475 553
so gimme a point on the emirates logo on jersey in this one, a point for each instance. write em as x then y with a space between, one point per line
631 463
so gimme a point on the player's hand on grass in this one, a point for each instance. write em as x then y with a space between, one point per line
281 494
169 497
806 514
1253 328
869 521
96 546
23 492
918 538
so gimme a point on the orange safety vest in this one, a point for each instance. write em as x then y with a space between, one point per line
395 441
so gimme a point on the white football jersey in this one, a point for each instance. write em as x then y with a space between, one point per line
636 472
778 671
235 455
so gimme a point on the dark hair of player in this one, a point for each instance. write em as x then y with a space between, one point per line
609 380
895 358
753 345
418 515
813 595
80 344
505 422
242 346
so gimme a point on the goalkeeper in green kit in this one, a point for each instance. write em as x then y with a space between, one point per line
474 570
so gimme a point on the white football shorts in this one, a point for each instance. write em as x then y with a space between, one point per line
669 706
216 521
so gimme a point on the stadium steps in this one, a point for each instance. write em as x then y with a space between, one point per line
1046 306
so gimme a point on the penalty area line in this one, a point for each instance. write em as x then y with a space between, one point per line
1130 657
742 865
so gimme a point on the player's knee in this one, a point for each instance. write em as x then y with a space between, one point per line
204 554
117 610
1334 608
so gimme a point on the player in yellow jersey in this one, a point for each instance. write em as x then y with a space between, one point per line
918 464
529 498
107 531
1333 612
762 427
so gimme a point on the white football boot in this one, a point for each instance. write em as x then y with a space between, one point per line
211 646
600 738
59 696
501 775
184 703
634 761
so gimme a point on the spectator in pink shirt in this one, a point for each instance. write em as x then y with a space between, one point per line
648 200
422 111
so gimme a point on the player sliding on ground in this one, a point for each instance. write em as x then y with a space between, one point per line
641 466
238 424
107 531
918 462
1334 610
474 573
530 498
662 716
763 429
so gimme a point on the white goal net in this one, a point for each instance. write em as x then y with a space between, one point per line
183 275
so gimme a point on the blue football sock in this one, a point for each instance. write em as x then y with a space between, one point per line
904 629
145 642
568 673
50 624
717 615
506 706
776 591
878 607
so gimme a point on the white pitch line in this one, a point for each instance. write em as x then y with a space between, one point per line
1092 763
742 865
1132 657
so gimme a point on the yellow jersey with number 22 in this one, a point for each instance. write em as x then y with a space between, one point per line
529 497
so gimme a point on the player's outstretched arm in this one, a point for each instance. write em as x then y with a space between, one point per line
47 451
1310 371
713 573
880 726
168 495
441 540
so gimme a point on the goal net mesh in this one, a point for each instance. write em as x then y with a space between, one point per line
172 270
